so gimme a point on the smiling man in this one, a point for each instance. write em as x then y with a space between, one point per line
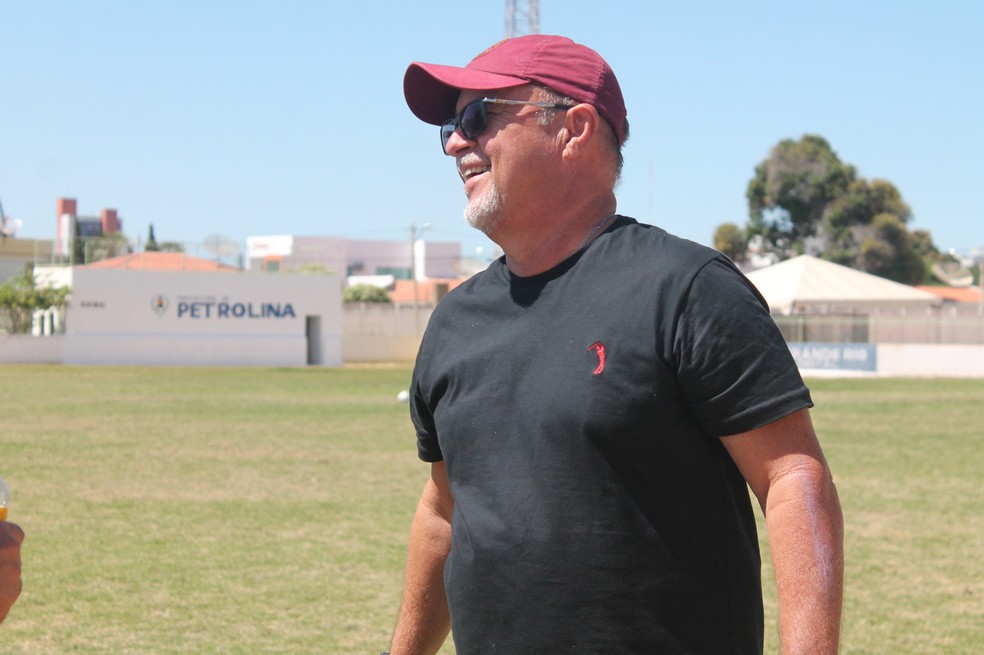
595 405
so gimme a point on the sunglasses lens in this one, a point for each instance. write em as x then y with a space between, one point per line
447 129
473 119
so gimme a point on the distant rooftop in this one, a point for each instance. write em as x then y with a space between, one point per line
955 294
162 261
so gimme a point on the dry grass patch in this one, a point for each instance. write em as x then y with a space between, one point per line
255 511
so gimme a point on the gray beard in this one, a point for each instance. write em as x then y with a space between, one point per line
485 213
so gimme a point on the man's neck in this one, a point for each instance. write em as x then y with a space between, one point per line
543 242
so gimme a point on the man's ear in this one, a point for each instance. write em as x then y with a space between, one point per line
581 127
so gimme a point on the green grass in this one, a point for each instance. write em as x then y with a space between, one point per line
254 511
908 459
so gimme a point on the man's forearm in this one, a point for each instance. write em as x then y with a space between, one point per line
806 537
424 621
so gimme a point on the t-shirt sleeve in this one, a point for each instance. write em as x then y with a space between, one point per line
428 448
734 366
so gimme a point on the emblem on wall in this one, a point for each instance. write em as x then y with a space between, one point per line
159 304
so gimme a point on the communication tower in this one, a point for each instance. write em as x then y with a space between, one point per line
522 17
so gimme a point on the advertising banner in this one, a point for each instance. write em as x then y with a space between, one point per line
835 356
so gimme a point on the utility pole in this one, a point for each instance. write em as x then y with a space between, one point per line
414 237
980 286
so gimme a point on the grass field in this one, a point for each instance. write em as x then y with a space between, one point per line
254 511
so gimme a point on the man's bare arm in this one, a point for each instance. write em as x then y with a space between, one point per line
786 470
424 620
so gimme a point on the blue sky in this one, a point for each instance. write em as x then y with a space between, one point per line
256 118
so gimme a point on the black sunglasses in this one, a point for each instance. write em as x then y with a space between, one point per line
473 118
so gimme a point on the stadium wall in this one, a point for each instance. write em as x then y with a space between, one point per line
900 360
186 318
887 360
29 349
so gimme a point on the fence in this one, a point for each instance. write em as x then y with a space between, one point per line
957 330
383 332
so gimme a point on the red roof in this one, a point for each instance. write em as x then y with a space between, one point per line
161 261
427 291
955 294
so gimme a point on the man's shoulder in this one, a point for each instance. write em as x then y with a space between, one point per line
663 250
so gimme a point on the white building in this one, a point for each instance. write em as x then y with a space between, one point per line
136 317
354 257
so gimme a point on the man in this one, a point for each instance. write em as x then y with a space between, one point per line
11 537
595 402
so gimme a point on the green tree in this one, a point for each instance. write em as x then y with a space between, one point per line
97 249
922 243
365 293
20 298
803 198
311 268
841 218
730 239
151 241
892 252
847 219
791 190
78 245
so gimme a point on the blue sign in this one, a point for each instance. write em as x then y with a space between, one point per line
835 356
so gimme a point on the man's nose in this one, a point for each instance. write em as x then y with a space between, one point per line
457 144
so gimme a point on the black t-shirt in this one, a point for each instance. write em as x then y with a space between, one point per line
578 413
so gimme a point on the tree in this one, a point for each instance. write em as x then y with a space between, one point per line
151 241
730 239
93 248
78 245
892 252
97 249
20 298
791 190
922 243
803 198
311 268
847 219
365 293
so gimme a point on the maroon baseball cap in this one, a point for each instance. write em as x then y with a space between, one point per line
556 62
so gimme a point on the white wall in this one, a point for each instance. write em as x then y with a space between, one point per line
29 349
440 259
383 332
930 361
186 318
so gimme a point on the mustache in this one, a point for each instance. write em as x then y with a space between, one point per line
469 159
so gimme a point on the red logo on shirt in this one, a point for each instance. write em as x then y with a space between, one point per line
599 348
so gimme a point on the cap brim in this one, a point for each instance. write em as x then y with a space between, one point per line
432 90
